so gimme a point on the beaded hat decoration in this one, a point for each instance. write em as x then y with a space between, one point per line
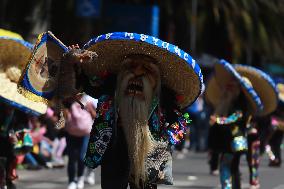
263 84
14 54
39 80
179 71
224 74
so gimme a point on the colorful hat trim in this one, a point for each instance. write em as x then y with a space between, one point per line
33 84
246 86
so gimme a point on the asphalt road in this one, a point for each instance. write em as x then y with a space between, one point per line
190 172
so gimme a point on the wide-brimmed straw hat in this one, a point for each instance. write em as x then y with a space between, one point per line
179 71
224 74
263 84
39 80
14 54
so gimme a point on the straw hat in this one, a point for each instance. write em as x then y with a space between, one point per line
14 54
178 70
10 34
39 79
224 74
263 84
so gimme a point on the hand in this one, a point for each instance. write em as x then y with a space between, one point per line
73 47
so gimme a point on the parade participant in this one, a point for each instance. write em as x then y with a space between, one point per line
265 87
14 54
142 84
275 138
234 101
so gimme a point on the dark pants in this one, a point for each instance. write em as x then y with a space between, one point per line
275 143
115 165
229 171
8 157
214 160
76 149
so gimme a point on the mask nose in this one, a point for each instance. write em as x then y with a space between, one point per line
138 70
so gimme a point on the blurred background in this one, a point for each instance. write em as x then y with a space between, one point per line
244 31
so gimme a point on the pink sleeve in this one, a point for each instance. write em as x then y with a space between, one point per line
76 110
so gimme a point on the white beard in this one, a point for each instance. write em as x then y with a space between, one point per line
133 113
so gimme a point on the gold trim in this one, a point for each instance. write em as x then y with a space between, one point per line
31 96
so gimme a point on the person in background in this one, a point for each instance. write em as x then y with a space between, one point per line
7 155
265 87
55 139
78 127
234 101
277 129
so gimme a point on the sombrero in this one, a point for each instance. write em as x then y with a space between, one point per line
263 84
14 54
179 71
223 75
39 79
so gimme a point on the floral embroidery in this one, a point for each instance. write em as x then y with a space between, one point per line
102 129
177 130
229 120
101 132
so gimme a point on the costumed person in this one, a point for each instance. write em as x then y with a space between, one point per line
15 138
273 148
139 109
142 84
265 87
234 101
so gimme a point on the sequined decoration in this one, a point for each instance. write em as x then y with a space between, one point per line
254 180
239 143
177 130
231 119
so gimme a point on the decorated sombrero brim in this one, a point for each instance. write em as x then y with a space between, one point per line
10 34
39 80
225 73
179 71
14 54
263 84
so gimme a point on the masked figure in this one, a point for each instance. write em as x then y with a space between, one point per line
142 85
236 98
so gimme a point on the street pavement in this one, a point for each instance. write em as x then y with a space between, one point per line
190 172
